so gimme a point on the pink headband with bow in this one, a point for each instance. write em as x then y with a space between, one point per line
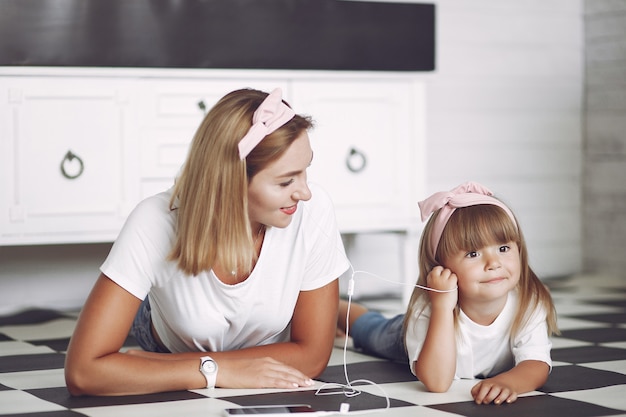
271 114
465 195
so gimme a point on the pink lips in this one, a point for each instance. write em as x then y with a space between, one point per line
289 210
495 280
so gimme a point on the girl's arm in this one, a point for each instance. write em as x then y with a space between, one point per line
436 364
505 387
94 365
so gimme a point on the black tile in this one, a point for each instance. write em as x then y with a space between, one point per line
60 413
362 401
588 354
380 372
596 335
620 302
17 363
609 318
34 316
60 345
61 396
576 378
535 406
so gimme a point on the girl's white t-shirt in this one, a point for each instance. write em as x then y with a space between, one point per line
485 351
201 313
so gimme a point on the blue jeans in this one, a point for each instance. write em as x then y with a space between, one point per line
142 329
377 335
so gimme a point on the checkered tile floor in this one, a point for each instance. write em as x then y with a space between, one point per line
588 379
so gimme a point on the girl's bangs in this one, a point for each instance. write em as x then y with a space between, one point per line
474 227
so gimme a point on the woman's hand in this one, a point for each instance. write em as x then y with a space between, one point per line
261 373
442 279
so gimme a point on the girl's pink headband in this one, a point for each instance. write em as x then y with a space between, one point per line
465 195
271 114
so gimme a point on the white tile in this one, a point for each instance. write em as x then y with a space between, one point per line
12 347
48 378
52 329
568 323
613 366
561 342
206 407
611 397
619 345
20 402
579 308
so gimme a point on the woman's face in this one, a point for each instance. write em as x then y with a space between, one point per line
274 192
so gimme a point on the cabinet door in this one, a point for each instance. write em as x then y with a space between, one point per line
171 111
363 149
65 147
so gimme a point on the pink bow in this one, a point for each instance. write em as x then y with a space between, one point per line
465 195
271 114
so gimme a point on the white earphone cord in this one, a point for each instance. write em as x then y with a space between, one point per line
348 389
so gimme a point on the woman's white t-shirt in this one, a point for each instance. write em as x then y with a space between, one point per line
485 351
201 313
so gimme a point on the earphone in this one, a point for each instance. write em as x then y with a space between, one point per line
348 389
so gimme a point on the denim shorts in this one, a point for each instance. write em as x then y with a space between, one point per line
377 335
141 329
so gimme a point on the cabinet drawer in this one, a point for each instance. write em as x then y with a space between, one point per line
172 110
64 151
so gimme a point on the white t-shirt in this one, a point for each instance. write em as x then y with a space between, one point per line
485 351
201 313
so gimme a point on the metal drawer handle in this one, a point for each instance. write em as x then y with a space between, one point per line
202 106
69 157
356 161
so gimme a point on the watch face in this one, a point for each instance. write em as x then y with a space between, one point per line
209 366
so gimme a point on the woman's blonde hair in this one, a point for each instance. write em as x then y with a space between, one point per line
471 228
211 193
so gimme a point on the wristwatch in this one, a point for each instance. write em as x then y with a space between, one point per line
208 367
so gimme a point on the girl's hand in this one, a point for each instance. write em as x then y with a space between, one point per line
442 279
260 373
490 390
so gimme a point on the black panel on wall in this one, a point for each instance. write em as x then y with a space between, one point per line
249 34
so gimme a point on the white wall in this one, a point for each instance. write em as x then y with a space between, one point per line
503 108
604 184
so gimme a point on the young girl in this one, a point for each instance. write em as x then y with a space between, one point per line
478 311
229 278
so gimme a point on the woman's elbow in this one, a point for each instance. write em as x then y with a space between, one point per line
316 367
78 380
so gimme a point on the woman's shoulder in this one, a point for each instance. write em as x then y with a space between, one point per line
151 220
154 207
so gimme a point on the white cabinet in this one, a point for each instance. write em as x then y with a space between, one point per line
170 111
66 155
363 145
80 147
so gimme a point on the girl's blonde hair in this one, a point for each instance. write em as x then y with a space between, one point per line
471 228
211 193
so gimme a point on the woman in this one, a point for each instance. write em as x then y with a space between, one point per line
228 279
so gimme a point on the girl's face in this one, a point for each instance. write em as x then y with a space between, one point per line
486 274
274 192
